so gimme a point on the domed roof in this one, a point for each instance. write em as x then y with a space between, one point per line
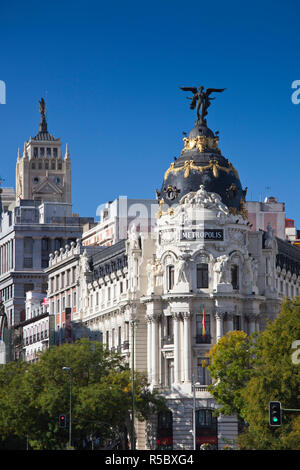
201 163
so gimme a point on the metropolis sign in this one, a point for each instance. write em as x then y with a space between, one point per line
203 234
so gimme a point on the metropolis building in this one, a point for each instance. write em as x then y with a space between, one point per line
164 298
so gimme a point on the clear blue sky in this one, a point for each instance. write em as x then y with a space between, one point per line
111 72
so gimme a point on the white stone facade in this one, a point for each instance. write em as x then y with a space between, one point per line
36 328
146 295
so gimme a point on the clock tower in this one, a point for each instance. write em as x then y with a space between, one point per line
42 173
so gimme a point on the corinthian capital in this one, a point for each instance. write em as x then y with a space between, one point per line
186 315
220 314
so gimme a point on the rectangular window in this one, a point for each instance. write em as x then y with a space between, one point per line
119 337
169 326
203 374
170 372
28 251
235 276
171 272
236 322
127 331
27 263
203 328
202 276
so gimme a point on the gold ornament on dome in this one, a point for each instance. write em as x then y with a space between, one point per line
190 165
202 143
241 211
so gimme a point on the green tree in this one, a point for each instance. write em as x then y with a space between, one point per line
251 371
36 394
276 377
230 366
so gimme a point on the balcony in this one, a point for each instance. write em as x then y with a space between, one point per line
203 339
200 387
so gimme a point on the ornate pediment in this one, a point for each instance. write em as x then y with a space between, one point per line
46 186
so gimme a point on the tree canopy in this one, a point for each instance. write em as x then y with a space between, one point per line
251 371
33 395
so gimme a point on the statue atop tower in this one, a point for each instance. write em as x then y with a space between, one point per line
43 123
201 100
42 173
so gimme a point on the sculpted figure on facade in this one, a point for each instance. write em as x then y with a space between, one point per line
206 200
84 262
269 237
247 273
158 273
270 268
150 276
133 237
182 269
254 265
221 270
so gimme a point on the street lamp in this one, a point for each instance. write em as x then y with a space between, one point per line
132 382
70 419
194 412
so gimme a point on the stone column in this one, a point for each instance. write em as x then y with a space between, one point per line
219 324
229 321
187 346
251 320
149 347
154 349
176 319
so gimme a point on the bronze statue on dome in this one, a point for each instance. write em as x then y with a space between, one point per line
43 123
201 100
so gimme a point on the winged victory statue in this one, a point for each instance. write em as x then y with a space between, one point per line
201 100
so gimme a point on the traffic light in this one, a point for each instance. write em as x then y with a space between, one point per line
275 413
62 421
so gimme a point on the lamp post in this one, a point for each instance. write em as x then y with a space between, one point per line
70 419
194 413
132 382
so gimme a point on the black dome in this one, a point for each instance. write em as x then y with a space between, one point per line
201 163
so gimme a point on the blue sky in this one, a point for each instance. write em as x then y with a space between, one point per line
110 73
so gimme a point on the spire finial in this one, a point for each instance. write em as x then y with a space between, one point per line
67 154
43 123
25 155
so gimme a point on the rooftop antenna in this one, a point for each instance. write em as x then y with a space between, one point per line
268 188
